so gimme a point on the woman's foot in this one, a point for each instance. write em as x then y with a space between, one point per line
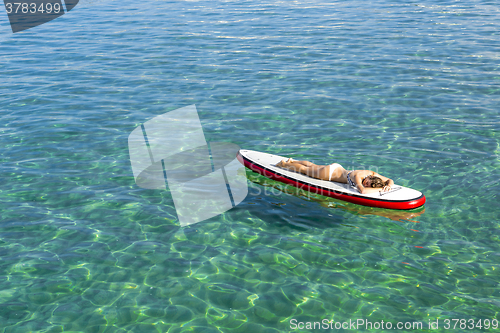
281 163
284 163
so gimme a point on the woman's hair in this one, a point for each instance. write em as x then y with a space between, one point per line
377 182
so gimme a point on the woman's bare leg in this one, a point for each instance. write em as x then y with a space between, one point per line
290 160
306 163
311 170
316 171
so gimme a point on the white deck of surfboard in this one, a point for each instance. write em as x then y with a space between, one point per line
269 161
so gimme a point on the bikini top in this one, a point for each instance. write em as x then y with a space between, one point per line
349 180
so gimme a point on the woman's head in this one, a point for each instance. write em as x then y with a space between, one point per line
372 181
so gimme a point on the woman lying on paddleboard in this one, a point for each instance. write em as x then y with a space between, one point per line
366 181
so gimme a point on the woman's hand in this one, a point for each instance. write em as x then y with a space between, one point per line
388 185
386 188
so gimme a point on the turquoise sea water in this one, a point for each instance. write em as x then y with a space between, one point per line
411 89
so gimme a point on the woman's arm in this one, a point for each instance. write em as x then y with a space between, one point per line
368 190
384 179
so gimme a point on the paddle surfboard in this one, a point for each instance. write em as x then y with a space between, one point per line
399 197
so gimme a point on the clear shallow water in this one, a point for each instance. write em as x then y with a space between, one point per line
410 89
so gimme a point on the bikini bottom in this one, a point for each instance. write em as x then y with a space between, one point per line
333 167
